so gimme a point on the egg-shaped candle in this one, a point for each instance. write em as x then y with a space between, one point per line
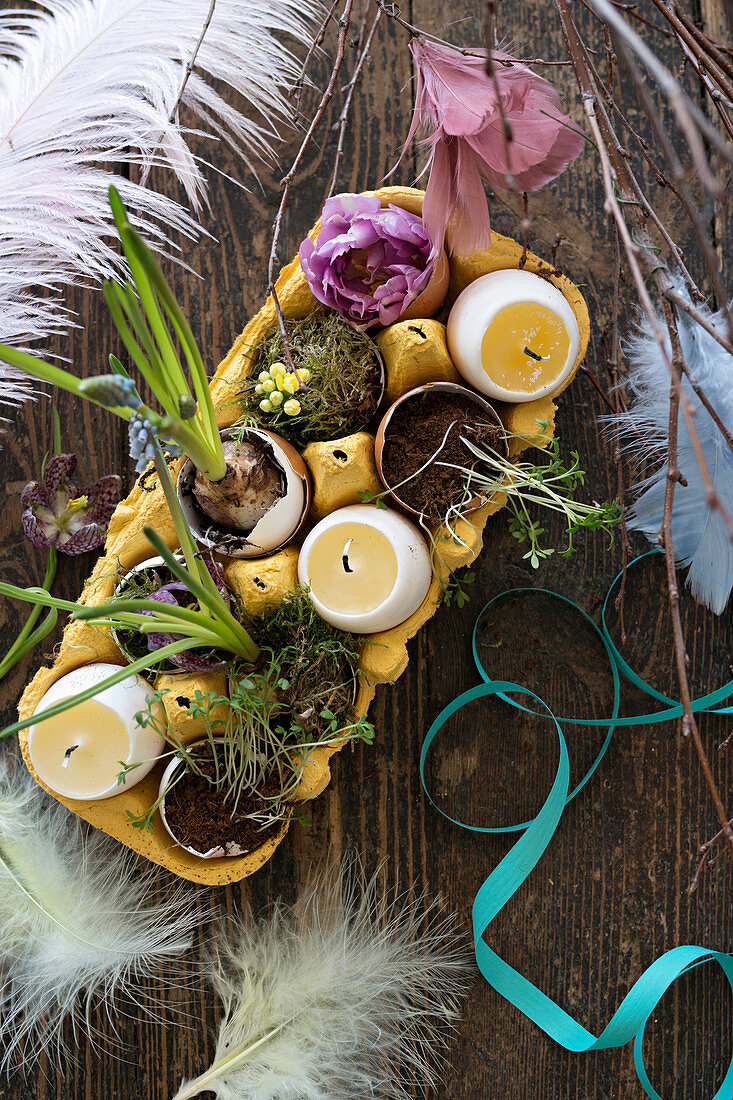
366 568
513 335
81 752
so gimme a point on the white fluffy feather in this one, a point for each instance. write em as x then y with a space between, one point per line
78 922
15 387
90 85
699 535
351 994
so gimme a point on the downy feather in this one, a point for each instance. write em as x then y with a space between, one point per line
89 86
698 533
78 919
15 388
346 995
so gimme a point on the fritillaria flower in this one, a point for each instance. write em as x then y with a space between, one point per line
368 262
176 592
456 103
57 514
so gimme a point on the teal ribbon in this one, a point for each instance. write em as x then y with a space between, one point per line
630 1018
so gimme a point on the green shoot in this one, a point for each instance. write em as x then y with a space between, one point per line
152 327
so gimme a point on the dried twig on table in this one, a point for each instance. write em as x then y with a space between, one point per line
631 217
287 181
342 121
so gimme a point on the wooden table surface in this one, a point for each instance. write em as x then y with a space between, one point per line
611 893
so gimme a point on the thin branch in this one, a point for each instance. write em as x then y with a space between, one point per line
287 181
617 184
192 59
342 121
692 121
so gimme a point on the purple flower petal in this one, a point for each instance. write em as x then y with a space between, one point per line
196 660
176 592
33 494
59 469
33 531
89 537
361 248
104 496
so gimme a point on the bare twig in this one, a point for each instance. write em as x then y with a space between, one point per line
191 64
296 91
638 248
342 121
287 181
693 123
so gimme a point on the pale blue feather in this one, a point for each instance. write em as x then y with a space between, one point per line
698 533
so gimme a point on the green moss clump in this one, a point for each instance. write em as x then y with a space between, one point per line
318 661
344 388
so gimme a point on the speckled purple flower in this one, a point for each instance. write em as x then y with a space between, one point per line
56 513
368 262
176 592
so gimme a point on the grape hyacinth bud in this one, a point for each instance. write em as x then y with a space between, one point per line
111 390
142 442
186 406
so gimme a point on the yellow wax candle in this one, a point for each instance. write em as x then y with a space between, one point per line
513 335
77 752
366 568
80 752
352 568
525 347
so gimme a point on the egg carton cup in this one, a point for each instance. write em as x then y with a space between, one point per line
414 352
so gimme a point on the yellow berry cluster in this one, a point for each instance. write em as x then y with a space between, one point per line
276 383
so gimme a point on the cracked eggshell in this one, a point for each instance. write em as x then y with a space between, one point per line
414 569
125 700
233 850
432 297
280 523
437 387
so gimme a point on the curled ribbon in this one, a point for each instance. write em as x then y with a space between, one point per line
630 1018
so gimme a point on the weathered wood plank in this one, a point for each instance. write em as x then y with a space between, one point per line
610 895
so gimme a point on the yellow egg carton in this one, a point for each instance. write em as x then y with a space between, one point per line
414 352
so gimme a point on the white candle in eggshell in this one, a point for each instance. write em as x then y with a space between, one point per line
367 568
80 752
513 335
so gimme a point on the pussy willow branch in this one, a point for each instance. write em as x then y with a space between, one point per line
621 204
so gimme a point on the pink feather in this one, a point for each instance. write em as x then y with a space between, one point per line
456 103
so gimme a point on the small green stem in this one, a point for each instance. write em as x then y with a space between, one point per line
185 539
19 647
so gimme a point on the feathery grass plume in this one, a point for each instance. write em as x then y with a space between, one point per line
89 84
348 994
79 926
699 535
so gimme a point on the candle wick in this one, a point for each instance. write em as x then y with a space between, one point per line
67 756
345 557
534 355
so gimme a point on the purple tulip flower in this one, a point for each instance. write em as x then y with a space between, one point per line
369 263
56 513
